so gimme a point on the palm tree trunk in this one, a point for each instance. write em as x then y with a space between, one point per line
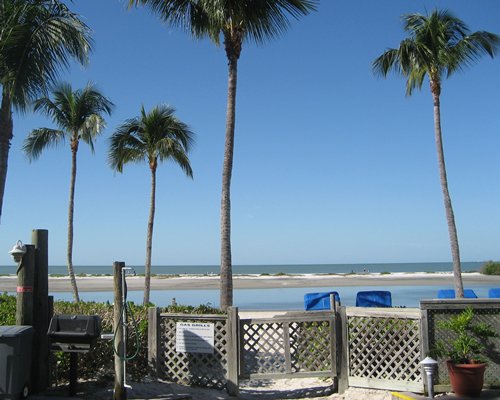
226 273
71 272
450 217
149 240
6 135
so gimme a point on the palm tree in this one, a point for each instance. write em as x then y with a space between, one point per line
151 138
79 115
233 22
438 45
38 38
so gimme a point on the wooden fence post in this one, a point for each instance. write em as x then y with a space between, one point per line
119 393
343 353
25 283
232 387
40 239
153 338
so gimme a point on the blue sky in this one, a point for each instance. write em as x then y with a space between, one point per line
332 164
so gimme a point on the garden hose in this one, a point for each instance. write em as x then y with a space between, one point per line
125 309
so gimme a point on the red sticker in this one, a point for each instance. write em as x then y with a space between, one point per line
23 289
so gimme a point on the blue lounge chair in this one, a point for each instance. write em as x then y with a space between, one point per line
494 293
319 301
450 294
374 298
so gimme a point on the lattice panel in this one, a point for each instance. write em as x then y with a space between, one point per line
310 346
384 348
489 316
286 347
207 370
263 348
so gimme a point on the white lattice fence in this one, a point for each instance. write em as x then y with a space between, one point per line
485 310
384 348
295 344
190 368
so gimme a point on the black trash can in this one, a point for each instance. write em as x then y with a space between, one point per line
15 361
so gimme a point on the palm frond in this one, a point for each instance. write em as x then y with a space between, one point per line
154 135
39 139
77 113
258 20
43 36
438 45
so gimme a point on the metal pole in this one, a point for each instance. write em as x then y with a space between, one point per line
125 270
119 393
430 384
124 324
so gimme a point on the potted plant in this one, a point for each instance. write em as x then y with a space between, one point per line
465 352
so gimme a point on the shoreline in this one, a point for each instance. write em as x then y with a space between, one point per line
95 283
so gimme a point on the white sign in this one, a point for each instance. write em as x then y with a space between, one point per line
194 337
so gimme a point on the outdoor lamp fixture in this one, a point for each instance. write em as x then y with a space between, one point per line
18 252
429 365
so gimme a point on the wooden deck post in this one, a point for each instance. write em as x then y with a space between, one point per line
232 351
343 353
153 338
25 283
120 392
40 239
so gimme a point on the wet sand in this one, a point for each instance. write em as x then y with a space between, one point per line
105 283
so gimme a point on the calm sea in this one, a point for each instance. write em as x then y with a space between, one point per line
275 269
282 298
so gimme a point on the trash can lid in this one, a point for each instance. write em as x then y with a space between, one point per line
15 330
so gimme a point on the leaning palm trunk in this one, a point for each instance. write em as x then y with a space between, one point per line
149 240
71 272
6 127
450 217
226 273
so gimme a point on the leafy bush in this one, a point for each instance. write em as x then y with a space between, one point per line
98 364
469 344
7 309
491 268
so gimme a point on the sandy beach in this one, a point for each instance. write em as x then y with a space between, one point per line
193 282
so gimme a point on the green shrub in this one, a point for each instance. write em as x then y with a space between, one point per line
491 268
7 309
98 364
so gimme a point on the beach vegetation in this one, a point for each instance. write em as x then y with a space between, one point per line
470 339
78 115
38 40
98 364
8 305
491 268
233 23
151 138
438 45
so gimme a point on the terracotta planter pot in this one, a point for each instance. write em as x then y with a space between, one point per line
466 379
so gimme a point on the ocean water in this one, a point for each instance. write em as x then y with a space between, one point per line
276 298
274 269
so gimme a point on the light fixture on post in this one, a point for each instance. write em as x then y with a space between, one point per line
429 365
17 253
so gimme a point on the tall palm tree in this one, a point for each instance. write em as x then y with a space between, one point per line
152 137
79 115
38 38
438 45
233 22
